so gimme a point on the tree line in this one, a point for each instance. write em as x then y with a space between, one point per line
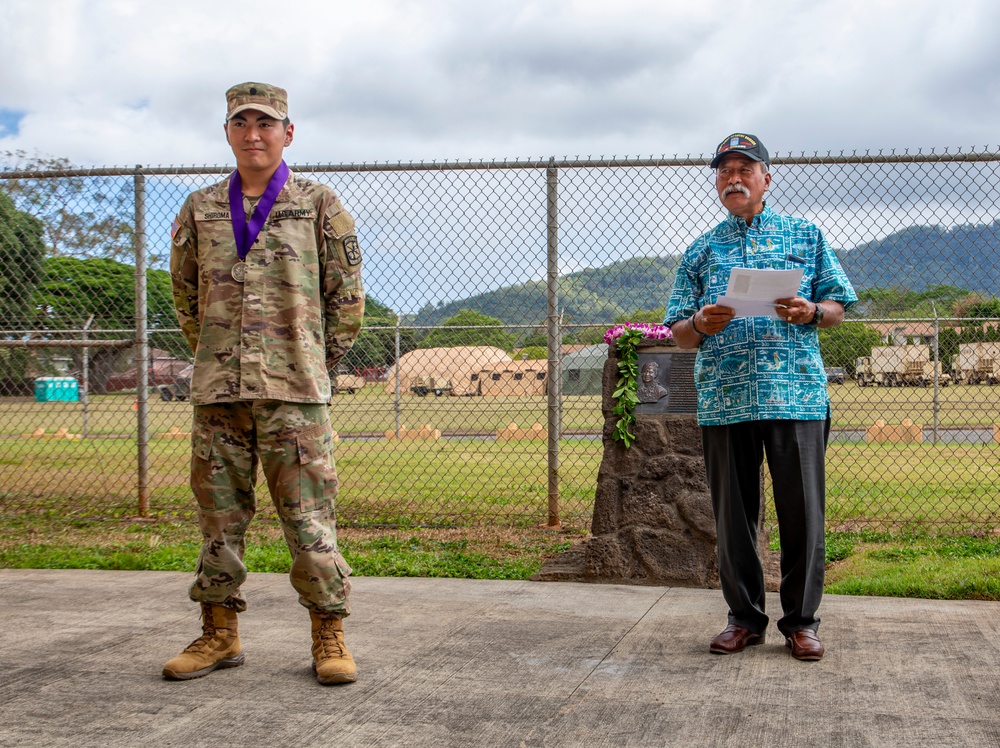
39 293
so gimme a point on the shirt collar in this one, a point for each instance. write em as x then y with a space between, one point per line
759 221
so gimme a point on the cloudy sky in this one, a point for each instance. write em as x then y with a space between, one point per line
124 82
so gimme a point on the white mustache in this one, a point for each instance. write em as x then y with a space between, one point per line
736 188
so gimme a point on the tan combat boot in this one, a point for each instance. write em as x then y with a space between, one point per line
217 647
332 663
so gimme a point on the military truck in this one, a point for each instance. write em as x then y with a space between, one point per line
180 387
899 366
977 363
423 386
349 383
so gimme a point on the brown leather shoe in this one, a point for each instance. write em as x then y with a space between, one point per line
805 645
734 639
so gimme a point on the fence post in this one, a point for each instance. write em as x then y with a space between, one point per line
141 347
554 335
85 376
397 405
937 372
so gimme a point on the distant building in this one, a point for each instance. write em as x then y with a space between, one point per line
516 379
583 370
904 333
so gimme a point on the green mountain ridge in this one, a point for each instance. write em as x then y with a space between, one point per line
590 296
913 258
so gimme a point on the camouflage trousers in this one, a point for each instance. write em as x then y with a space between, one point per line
293 443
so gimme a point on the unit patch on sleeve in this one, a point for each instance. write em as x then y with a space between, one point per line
353 250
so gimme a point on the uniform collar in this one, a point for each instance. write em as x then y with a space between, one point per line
220 191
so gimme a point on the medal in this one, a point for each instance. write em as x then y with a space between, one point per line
245 233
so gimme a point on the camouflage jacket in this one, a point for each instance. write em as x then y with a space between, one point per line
279 334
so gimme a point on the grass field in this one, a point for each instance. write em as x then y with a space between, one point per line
473 506
476 480
457 482
369 411
956 406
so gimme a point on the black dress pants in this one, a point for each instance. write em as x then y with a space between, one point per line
796 455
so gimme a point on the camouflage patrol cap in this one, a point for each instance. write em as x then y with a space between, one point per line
270 100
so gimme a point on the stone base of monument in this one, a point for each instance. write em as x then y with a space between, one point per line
653 521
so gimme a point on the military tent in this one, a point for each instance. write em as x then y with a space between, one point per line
583 370
517 378
445 367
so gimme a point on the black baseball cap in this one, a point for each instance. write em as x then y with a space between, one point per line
740 142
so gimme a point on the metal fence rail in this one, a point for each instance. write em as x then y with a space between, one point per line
471 395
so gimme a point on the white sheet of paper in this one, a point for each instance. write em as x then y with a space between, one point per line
752 292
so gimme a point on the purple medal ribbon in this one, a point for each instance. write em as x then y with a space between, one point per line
245 234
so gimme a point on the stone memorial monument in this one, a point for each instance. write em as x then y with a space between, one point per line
653 521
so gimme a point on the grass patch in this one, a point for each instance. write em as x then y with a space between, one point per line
913 565
466 553
396 555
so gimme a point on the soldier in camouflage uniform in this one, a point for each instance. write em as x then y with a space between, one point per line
268 319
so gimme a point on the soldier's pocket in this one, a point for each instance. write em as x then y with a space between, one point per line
206 470
342 566
317 474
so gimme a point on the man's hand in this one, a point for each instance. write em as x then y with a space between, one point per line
708 320
799 311
712 318
796 310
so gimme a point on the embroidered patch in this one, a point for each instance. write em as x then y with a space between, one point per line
737 140
340 224
174 228
353 250
211 215
277 215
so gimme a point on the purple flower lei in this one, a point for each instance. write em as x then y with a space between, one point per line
647 329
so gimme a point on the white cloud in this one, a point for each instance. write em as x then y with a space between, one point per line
126 82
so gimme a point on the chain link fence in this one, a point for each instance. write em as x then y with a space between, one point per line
472 395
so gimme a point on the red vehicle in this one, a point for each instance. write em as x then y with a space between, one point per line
161 372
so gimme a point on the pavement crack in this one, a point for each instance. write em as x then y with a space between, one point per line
611 651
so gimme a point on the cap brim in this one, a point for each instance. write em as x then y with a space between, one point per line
270 111
720 156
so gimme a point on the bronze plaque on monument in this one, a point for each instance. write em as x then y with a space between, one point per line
666 381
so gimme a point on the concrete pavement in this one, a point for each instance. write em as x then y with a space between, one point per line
448 662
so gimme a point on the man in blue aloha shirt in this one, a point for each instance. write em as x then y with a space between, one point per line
762 391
